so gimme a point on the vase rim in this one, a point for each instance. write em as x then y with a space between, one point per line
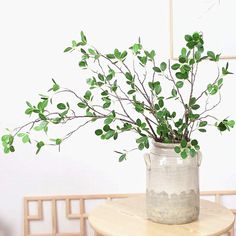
164 145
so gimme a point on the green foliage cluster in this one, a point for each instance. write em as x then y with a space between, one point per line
130 97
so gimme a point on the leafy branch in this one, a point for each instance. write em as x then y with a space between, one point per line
129 97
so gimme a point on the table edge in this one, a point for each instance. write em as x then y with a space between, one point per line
225 230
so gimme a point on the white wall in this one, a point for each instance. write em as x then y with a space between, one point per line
33 37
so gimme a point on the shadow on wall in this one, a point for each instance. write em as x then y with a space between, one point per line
4 229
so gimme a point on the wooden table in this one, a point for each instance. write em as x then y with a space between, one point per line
126 217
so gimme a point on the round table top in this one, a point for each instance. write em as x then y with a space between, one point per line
126 217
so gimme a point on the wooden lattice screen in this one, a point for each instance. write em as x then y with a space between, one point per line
218 199
82 215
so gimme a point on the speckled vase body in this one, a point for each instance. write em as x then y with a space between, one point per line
172 191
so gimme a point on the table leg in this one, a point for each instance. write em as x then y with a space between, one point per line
97 234
231 232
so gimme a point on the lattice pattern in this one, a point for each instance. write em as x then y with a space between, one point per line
82 216
218 198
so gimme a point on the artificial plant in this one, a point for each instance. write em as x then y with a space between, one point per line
125 91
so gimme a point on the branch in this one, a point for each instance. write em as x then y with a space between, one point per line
173 81
203 92
213 107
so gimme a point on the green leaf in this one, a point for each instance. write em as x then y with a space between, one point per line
177 149
195 106
184 154
136 47
38 128
152 54
115 136
91 51
104 93
111 56
191 45
26 139
6 150
39 145
12 149
21 135
191 61
101 77
98 132
192 152
157 88
161 103
109 134
138 122
122 157
182 59
183 52
196 36
108 121
194 142
128 76
202 130
123 55
163 66
156 69
58 141
142 139
55 87
117 53
82 63
213 89
131 91
188 38
143 60
222 127
88 95
28 111
61 106
180 75
183 143
202 123
106 128
28 104
192 101
139 107
211 55
220 81
81 105
175 66
74 43
173 115
42 116
7 139
83 38
179 84
42 105
174 92
42 126
197 55
107 104
231 123
141 146
68 49
225 70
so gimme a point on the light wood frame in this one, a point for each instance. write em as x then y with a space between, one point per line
83 215
171 27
